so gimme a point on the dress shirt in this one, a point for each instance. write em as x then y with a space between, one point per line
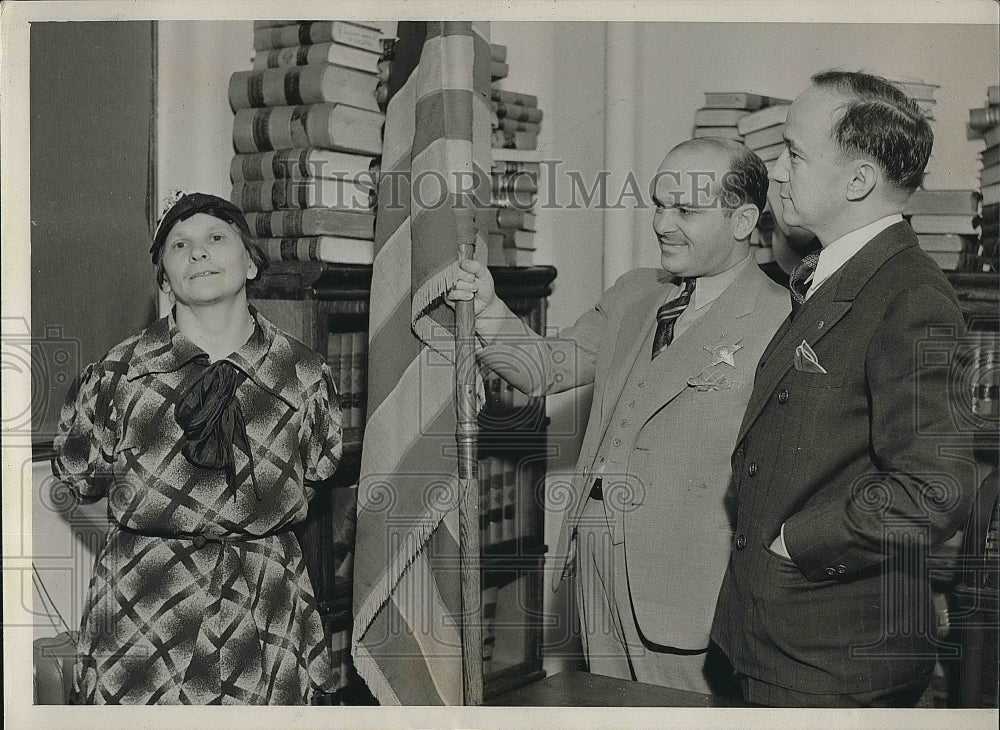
838 253
706 290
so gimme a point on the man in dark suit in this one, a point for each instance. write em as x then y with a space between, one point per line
849 467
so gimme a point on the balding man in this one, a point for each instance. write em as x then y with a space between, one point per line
672 354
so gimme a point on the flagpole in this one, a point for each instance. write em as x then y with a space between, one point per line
467 435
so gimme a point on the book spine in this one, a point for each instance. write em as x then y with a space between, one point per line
323 31
496 501
490 596
263 130
329 126
519 182
512 199
509 166
991 156
498 70
981 119
312 84
514 97
509 530
318 53
347 399
333 347
509 218
516 125
498 52
311 222
359 345
514 140
282 57
735 100
516 111
484 501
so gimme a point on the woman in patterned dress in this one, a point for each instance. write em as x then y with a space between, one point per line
203 431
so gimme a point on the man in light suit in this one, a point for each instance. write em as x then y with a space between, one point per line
671 353
850 468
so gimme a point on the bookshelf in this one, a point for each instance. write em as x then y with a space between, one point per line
320 302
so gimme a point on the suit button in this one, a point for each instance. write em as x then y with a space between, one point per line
741 542
841 569
831 571
631 404
752 470
623 423
616 442
783 396
642 383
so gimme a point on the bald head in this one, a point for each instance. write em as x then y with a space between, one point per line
738 174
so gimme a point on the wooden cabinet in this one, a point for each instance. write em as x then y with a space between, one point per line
326 306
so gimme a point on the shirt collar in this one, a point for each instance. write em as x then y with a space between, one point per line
709 288
163 348
838 253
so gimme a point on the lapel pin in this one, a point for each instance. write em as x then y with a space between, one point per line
724 353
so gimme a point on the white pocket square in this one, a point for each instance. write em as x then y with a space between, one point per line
806 360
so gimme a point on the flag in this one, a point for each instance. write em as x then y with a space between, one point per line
406 639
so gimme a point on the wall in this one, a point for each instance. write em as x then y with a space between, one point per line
677 63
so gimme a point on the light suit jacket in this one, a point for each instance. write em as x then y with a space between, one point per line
667 507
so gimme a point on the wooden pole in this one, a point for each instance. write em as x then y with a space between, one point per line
467 435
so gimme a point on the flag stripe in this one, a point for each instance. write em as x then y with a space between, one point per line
407 587
446 110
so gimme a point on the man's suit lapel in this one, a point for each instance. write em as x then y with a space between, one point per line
690 352
821 313
638 320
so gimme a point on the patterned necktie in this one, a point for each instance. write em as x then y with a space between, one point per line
666 317
801 278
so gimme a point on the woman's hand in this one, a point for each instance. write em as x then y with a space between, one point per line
474 282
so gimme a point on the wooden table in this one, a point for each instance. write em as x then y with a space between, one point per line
582 689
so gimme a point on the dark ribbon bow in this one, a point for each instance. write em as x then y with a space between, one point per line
213 423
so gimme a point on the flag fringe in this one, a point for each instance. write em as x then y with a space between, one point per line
379 595
423 299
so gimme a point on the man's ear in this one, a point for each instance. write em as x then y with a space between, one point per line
744 220
863 180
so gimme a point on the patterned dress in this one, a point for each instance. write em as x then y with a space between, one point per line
200 593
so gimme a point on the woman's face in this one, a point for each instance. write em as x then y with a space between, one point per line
205 261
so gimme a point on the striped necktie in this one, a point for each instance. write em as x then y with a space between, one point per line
666 317
801 278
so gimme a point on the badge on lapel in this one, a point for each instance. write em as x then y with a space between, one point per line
714 377
723 353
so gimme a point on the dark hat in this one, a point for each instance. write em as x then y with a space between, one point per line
188 205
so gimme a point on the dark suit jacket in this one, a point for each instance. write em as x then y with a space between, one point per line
868 470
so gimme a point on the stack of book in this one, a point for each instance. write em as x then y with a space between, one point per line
306 131
347 356
763 132
723 111
945 224
986 122
515 170
921 92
